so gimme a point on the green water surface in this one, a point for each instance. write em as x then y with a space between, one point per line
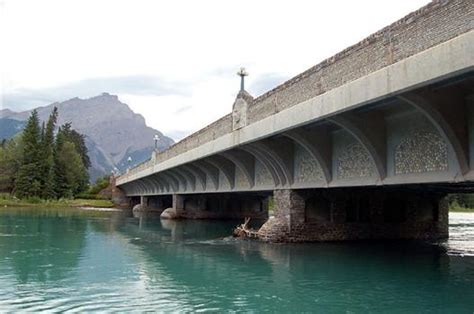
79 261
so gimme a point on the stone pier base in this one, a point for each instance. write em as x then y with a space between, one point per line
116 195
356 214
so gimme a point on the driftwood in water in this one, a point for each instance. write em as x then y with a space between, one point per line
243 230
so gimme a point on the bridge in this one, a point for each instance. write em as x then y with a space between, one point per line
364 145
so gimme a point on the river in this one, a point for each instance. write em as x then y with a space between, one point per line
76 261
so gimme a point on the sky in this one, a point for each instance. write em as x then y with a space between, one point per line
174 62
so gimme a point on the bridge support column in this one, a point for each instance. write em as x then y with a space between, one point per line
356 214
178 203
141 206
144 202
289 214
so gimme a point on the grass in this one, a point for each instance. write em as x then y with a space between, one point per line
460 209
59 211
7 200
90 203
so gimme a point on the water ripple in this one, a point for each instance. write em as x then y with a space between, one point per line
104 265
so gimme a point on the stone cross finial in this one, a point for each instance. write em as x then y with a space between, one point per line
242 73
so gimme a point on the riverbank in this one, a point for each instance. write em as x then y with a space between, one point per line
8 201
460 209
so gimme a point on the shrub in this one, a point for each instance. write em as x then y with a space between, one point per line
34 200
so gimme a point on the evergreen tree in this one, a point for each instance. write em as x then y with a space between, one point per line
78 139
28 180
70 172
10 161
47 145
60 186
39 164
71 164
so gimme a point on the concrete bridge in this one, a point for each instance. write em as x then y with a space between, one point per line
364 145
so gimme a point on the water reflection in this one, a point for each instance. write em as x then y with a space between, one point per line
31 245
65 260
357 275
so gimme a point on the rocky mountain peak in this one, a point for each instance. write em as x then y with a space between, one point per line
111 127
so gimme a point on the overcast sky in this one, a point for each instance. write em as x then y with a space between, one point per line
173 61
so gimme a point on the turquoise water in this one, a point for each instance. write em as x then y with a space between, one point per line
76 261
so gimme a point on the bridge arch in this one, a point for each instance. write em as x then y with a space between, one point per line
179 178
307 142
212 173
444 127
258 155
199 176
163 183
141 186
188 177
172 181
284 173
245 162
158 184
377 151
150 185
225 166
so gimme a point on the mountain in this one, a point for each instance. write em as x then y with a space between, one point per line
113 131
10 127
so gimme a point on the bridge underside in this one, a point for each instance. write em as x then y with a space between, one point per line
304 215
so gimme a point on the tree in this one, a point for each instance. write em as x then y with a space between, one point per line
47 145
100 184
78 139
42 165
70 171
60 186
10 161
28 180
75 174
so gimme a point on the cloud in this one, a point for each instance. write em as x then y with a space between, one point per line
143 85
183 109
266 82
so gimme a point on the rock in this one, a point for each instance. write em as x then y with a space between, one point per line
137 208
169 213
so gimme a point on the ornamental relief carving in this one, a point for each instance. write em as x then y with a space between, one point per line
307 169
355 162
421 152
262 175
